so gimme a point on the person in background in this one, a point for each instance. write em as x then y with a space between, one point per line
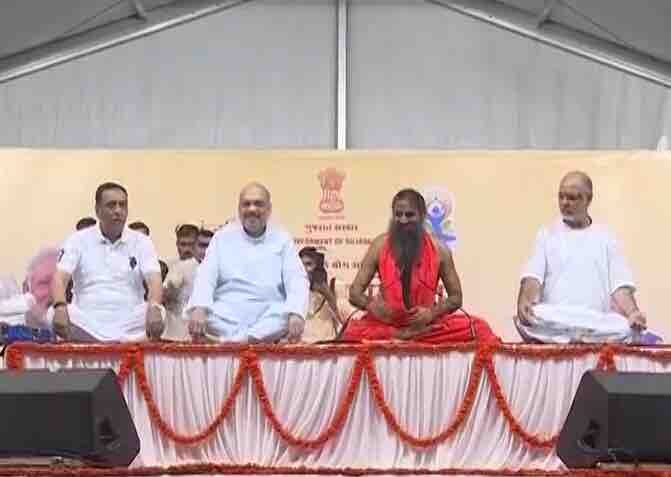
140 226
323 319
202 242
178 286
30 306
85 222
186 242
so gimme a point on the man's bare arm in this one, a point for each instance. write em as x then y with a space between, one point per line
450 278
61 320
625 302
154 318
530 291
59 284
154 288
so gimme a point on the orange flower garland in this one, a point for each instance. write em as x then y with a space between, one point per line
165 428
460 417
531 440
132 360
14 357
606 359
254 469
127 364
336 423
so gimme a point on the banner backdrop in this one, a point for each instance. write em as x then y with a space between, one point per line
487 206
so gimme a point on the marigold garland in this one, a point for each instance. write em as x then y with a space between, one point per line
545 351
132 360
127 364
254 469
657 353
546 443
14 357
294 350
463 412
164 427
336 423
606 359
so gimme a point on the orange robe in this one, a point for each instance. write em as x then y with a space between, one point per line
447 328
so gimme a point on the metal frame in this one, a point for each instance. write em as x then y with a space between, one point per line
581 44
341 100
108 36
545 14
536 27
140 11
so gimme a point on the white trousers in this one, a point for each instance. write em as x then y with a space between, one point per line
562 324
124 326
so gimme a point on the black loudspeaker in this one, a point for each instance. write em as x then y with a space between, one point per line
618 417
80 414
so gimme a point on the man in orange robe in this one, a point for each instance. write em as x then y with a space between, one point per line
409 262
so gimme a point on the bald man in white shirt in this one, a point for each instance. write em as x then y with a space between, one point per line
577 287
251 287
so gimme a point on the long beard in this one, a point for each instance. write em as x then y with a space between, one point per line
406 244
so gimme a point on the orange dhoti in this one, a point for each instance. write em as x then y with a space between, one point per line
454 328
448 328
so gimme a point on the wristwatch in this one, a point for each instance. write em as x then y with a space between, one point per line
58 304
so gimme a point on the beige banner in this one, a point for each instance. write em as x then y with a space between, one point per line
494 203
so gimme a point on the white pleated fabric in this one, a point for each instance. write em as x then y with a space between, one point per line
423 391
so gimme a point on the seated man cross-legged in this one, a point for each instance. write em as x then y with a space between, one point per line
251 286
410 262
577 287
108 264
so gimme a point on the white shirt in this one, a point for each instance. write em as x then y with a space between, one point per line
108 277
13 309
578 267
244 280
181 276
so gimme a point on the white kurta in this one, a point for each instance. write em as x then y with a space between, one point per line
108 294
578 269
181 275
250 285
13 309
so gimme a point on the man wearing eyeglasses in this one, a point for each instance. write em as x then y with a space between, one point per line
409 262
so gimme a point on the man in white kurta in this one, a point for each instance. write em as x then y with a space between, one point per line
178 284
577 287
251 286
177 289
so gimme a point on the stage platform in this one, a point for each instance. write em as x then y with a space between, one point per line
378 409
